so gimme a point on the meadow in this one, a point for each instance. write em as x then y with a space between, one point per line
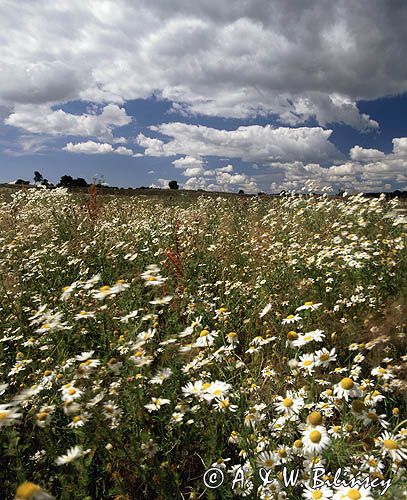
145 339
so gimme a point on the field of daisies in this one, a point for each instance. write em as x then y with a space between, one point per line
147 339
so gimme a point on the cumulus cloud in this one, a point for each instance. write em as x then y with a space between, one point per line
293 59
368 170
223 179
43 120
92 148
250 143
358 153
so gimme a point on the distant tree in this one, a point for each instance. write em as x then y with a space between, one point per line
66 181
173 185
79 182
38 176
241 191
22 182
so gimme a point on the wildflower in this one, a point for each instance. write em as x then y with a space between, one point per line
162 301
322 493
309 306
391 445
268 460
206 338
306 338
84 315
77 421
103 292
131 315
347 388
307 363
8 415
71 455
156 404
176 417
346 493
291 319
28 490
323 357
119 286
224 404
291 404
265 310
315 439
161 375
232 338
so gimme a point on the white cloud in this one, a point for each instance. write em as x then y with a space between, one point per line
223 181
400 146
251 143
121 150
91 148
358 153
41 119
88 148
295 59
367 170
188 162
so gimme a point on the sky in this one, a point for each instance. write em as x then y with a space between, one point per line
259 95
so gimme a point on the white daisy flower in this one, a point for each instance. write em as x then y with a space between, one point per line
347 388
315 439
291 404
71 455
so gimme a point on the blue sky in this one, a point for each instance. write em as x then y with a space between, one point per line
265 96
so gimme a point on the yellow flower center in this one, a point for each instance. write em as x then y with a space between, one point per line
390 444
307 362
324 357
315 418
269 463
382 370
3 415
27 490
315 436
76 419
354 494
292 335
347 383
71 392
310 303
104 288
298 443
290 316
317 494
232 334
287 402
206 385
282 453
204 333
42 416
151 278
